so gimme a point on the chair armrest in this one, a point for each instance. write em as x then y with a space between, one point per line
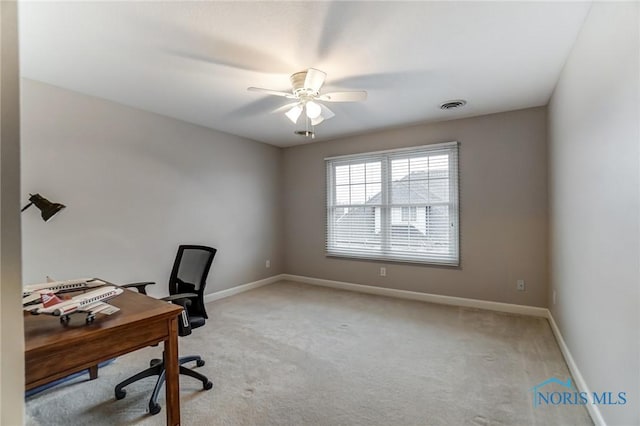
141 287
182 296
182 299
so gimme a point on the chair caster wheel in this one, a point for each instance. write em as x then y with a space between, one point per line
200 362
154 408
208 385
121 394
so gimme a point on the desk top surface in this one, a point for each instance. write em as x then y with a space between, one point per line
45 330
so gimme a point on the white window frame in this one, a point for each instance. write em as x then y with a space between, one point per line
452 258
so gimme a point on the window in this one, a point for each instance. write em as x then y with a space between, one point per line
409 214
395 205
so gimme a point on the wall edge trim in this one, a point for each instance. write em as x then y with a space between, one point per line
221 294
578 379
424 297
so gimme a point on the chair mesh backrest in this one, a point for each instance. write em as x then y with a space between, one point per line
189 274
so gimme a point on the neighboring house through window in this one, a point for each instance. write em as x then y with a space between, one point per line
395 205
409 214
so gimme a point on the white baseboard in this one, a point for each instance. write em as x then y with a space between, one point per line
241 288
593 410
424 297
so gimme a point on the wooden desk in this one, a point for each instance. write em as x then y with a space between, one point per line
53 351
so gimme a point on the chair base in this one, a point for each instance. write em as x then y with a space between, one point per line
157 368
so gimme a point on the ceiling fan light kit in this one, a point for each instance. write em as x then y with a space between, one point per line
313 109
305 91
316 121
294 113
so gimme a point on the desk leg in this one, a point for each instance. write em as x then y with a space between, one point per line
172 377
93 372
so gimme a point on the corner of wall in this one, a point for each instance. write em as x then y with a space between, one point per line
11 325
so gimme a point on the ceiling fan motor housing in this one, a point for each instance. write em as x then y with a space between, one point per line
297 82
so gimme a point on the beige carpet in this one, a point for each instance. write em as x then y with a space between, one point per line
293 354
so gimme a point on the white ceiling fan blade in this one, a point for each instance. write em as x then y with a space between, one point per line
314 80
284 108
294 113
355 96
326 112
271 92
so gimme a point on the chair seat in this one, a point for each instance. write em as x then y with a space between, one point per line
196 321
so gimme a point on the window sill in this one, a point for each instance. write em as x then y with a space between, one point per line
446 263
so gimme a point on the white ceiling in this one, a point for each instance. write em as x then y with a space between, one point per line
194 60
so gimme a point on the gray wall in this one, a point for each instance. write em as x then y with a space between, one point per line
594 192
137 184
503 205
11 327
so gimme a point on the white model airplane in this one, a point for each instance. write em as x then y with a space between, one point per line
31 293
91 303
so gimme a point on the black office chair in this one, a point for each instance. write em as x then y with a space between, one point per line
186 288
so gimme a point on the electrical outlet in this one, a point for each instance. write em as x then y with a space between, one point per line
267 264
520 285
383 271
554 297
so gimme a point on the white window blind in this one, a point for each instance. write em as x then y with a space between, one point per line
397 205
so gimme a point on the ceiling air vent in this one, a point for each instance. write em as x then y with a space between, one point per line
458 103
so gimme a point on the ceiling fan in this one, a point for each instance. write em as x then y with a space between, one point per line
306 93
